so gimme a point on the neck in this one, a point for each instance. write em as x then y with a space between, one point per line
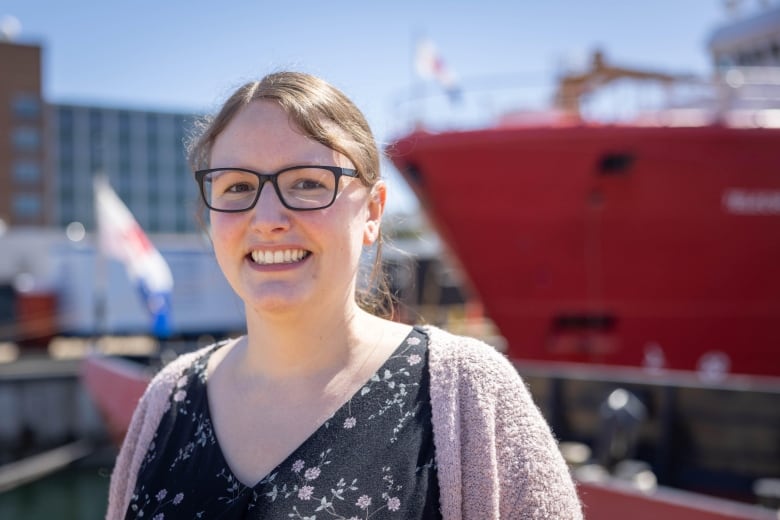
282 348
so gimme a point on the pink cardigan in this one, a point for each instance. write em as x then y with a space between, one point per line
496 456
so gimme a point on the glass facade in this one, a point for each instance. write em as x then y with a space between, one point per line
142 154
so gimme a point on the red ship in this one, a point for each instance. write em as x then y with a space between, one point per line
619 245
634 261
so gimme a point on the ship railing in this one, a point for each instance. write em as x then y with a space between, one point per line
740 97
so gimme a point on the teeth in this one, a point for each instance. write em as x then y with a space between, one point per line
287 256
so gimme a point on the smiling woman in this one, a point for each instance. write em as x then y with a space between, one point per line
322 406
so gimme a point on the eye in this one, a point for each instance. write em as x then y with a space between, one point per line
308 184
306 180
240 187
233 183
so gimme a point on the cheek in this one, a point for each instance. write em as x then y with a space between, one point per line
354 225
224 232
341 236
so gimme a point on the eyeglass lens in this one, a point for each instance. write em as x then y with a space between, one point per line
303 188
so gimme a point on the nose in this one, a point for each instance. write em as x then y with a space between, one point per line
269 214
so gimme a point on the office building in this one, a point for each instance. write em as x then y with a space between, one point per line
23 173
49 153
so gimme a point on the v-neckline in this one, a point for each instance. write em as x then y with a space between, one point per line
203 380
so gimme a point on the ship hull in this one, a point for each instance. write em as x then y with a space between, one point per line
636 246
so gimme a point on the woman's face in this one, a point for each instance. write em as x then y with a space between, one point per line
314 255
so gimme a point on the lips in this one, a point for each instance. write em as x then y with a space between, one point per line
279 256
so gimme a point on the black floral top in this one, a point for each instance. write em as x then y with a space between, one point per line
374 458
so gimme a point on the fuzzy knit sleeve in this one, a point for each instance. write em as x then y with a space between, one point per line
140 433
495 453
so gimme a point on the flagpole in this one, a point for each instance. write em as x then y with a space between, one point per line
100 310
416 113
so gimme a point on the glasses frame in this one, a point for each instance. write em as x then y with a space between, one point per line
337 171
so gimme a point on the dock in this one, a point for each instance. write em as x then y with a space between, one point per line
43 407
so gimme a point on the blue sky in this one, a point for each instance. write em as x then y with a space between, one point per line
187 55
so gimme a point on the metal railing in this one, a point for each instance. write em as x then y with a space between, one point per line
740 97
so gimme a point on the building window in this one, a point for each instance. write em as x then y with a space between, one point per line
152 146
67 195
124 125
26 139
95 156
26 106
96 160
66 217
154 223
152 168
66 150
67 170
65 120
151 123
27 172
65 116
95 121
181 164
27 205
153 195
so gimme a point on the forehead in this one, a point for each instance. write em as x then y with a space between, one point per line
262 136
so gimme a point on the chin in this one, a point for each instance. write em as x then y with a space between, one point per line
275 302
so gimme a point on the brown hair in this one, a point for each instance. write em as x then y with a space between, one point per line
325 114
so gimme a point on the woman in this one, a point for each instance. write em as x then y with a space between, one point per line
324 410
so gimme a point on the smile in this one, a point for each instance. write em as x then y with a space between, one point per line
286 256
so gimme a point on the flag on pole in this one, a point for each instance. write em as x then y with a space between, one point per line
430 66
120 237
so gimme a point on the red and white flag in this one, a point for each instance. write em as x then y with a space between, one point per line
120 237
430 66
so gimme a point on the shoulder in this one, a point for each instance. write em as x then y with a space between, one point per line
457 357
495 451
471 381
141 430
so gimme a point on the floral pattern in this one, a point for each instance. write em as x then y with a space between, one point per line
373 459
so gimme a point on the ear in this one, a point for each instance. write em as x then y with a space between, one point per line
375 209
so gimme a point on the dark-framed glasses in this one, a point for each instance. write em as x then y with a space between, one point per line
301 188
